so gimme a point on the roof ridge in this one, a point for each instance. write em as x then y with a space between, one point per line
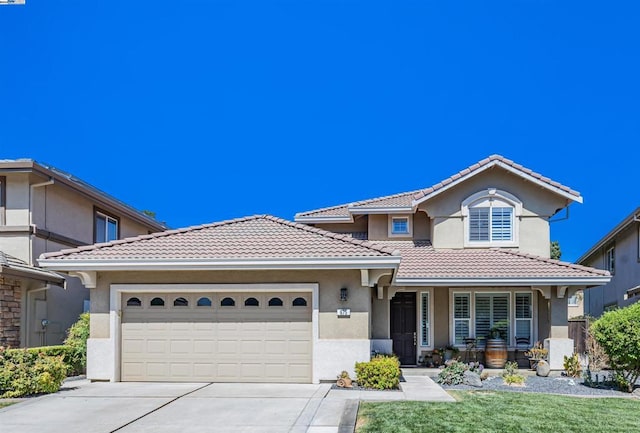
299 226
553 261
326 233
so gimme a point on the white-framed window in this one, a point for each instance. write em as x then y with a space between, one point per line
400 225
425 319
572 301
491 312
491 218
461 317
610 259
524 316
478 313
106 227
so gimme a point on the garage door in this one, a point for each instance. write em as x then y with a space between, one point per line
216 337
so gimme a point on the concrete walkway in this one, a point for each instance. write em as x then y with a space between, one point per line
86 407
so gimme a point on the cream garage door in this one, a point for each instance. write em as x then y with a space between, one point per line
216 337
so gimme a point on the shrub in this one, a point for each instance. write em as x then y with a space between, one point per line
382 372
572 365
30 371
511 376
596 356
453 372
618 332
77 336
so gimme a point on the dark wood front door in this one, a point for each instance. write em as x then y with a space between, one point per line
403 327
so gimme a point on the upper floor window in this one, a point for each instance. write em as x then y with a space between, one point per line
106 227
610 259
491 218
399 225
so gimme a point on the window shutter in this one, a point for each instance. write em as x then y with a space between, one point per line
425 319
501 225
462 317
524 319
483 315
479 224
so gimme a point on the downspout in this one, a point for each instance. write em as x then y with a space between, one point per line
32 226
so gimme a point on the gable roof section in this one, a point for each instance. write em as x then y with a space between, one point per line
407 201
257 242
14 267
634 217
424 265
71 181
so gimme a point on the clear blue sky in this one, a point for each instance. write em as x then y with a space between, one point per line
206 110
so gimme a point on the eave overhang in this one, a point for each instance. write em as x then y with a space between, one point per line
387 262
503 282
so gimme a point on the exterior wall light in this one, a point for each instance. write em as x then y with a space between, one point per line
344 294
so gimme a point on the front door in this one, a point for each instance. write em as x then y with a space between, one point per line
403 327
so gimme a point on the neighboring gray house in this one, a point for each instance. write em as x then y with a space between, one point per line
44 209
261 299
619 253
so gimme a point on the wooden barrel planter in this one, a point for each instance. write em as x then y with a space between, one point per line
495 355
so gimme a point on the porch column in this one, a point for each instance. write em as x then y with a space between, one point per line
559 344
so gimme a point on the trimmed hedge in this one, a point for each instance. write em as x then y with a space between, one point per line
31 371
76 341
382 372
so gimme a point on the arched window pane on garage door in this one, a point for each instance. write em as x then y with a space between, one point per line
157 302
180 302
299 302
134 302
227 302
275 302
204 302
251 302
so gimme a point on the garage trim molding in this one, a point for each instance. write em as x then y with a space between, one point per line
115 310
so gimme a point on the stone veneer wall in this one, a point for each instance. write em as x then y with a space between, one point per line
10 294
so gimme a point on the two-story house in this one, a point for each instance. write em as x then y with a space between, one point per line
44 209
262 299
619 253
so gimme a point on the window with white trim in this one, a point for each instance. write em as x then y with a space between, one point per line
524 316
424 320
610 259
461 317
106 227
491 218
492 311
399 225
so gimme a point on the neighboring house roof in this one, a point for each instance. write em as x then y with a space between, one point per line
632 218
260 241
424 265
15 267
93 193
406 202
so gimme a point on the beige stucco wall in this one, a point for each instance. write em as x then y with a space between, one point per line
17 200
360 224
330 283
538 206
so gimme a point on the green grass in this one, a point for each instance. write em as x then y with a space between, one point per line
503 412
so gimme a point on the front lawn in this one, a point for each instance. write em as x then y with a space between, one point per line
504 412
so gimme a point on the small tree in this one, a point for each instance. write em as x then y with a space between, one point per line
618 333
556 253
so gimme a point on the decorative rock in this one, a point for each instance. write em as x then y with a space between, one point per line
543 368
472 379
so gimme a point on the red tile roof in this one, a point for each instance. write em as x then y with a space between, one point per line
406 199
421 260
256 237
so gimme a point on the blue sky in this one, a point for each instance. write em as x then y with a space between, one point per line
203 110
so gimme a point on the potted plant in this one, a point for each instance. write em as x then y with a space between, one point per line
450 352
535 354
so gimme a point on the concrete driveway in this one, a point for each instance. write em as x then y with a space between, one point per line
176 407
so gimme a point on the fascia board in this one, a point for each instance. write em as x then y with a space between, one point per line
387 262
320 220
484 282
515 171
381 210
